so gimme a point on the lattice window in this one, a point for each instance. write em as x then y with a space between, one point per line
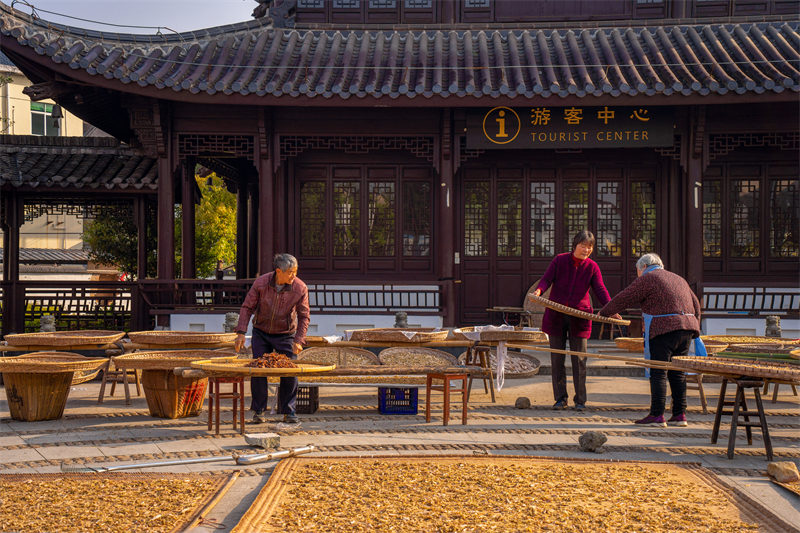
312 216
724 143
346 218
476 4
609 218
784 218
745 219
543 219
419 4
292 145
311 4
381 205
382 4
417 211
216 145
509 219
576 210
712 218
643 217
82 208
476 218
346 4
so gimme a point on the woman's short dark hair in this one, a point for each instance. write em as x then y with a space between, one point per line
583 236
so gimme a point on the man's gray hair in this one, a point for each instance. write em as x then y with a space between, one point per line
284 261
649 260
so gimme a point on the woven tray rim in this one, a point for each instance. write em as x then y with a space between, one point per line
238 367
762 348
636 344
30 365
169 337
516 335
508 374
80 376
447 358
64 338
795 353
166 360
396 335
338 349
765 340
577 313
759 369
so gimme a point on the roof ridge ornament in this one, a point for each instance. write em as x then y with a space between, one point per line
280 12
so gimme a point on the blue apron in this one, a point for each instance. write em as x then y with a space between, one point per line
699 347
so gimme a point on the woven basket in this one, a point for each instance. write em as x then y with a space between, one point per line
749 339
81 376
416 356
169 338
171 396
339 356
576 312
398 335
518 365
739 367
50 364
238 367
33 397
167 360
64 338
518 335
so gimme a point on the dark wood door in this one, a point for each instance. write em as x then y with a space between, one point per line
513 221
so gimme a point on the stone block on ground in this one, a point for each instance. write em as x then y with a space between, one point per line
522 403
592 441
783 471
268 441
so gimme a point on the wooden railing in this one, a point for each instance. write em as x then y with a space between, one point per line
721 300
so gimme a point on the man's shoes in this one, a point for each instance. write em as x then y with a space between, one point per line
651 420
560 405
258 417
580 406
678 421
290 419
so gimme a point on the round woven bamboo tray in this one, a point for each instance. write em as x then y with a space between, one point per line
340 356
416 356
636 344
398 335
517 335
739 367
167 360
238 367
37 388
80 376
577 313
64 338
167 338
762 348
518 365
749 339
795 353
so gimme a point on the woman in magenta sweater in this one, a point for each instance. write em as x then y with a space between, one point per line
571 276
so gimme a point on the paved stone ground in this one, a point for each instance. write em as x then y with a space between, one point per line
348 423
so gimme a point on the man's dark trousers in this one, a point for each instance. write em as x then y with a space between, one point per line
287 393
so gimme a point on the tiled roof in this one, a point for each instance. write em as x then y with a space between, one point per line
80 162
50 255
254 59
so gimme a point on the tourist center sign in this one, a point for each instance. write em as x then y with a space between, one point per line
569 127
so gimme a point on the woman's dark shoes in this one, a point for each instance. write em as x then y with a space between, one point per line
651 420
678 421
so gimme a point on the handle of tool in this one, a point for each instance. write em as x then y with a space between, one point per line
171 463
264 457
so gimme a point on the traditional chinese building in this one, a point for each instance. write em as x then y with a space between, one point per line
433 156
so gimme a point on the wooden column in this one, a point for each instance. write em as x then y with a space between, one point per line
693 191
242 237
446 220
166 220
188 263
140 219
266 165
13 294
252 230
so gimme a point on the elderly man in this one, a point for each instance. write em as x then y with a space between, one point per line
671 314
278 302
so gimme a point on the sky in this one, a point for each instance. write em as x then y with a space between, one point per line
178 15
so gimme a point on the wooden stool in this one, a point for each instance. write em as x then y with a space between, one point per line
118 376
479 355
698 386
775 390
740 409
215 395
445 388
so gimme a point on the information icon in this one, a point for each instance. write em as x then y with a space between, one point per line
501 125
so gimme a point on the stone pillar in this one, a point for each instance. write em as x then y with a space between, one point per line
773 326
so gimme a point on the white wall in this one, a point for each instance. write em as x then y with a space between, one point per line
790 328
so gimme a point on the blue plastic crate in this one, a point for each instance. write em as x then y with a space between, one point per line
397 400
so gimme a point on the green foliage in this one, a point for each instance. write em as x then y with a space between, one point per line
112 240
